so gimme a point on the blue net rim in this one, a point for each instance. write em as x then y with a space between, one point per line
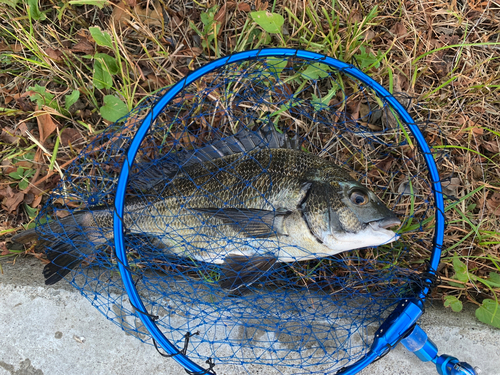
348 69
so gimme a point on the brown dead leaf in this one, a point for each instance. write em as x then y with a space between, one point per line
450 187
399 30
8 136
244 7
491 146
191 51
153 17
10 204
70 136
220 17
3 249
493 204
16 48
156 81
24 103
84 45
36 201
368 35
7 192
24 164
385 164
62 213
120 14
261 5
131 3
46 126
54 54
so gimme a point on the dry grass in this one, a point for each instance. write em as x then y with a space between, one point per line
446 56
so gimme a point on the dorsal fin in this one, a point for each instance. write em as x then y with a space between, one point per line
245 140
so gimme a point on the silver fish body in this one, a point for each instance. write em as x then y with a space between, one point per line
259 206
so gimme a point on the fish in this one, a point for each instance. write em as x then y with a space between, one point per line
246 202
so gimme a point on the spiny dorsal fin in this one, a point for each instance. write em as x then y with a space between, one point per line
245 140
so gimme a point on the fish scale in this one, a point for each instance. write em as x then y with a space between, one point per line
265 204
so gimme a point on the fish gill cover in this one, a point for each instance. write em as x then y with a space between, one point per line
226 176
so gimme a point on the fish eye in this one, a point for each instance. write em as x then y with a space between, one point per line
359 198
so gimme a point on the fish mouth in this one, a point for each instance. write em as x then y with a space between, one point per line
385 223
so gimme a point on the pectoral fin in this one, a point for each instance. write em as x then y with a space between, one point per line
250 222
241 271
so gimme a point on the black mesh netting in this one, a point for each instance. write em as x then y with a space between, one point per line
317 313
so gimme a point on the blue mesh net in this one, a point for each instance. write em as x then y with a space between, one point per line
313 312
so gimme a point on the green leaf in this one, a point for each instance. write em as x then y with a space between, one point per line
489 313
23 184
98 3
71 99
17 175
108 61
453 302
34 11
367 59
32 212
102 79
493 280
461 273
11 3
102 39
321 103
276 65
42 97
315 71
270 22
207 18
113 108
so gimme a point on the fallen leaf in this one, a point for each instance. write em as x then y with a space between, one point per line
153 17
83 45
54 54
62 213
368 35
8 136
192 51
3 249
405 188
244 7
11 47
36 201
70 136
25 104
491 146
399 29
7 192
46 126
231 5
220 17
120 14
261 5
11 203
493 204
450 187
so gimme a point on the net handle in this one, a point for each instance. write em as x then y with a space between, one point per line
348 69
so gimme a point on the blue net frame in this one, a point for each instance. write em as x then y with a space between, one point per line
328 315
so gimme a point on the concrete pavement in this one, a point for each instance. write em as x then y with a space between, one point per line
55 331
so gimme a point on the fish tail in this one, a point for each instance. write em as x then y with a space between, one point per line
65 241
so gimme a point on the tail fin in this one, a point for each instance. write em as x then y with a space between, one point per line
65 241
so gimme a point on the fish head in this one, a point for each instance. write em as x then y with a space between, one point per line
358 218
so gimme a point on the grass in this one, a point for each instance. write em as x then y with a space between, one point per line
86 65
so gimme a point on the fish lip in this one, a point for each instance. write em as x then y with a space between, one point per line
385 223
